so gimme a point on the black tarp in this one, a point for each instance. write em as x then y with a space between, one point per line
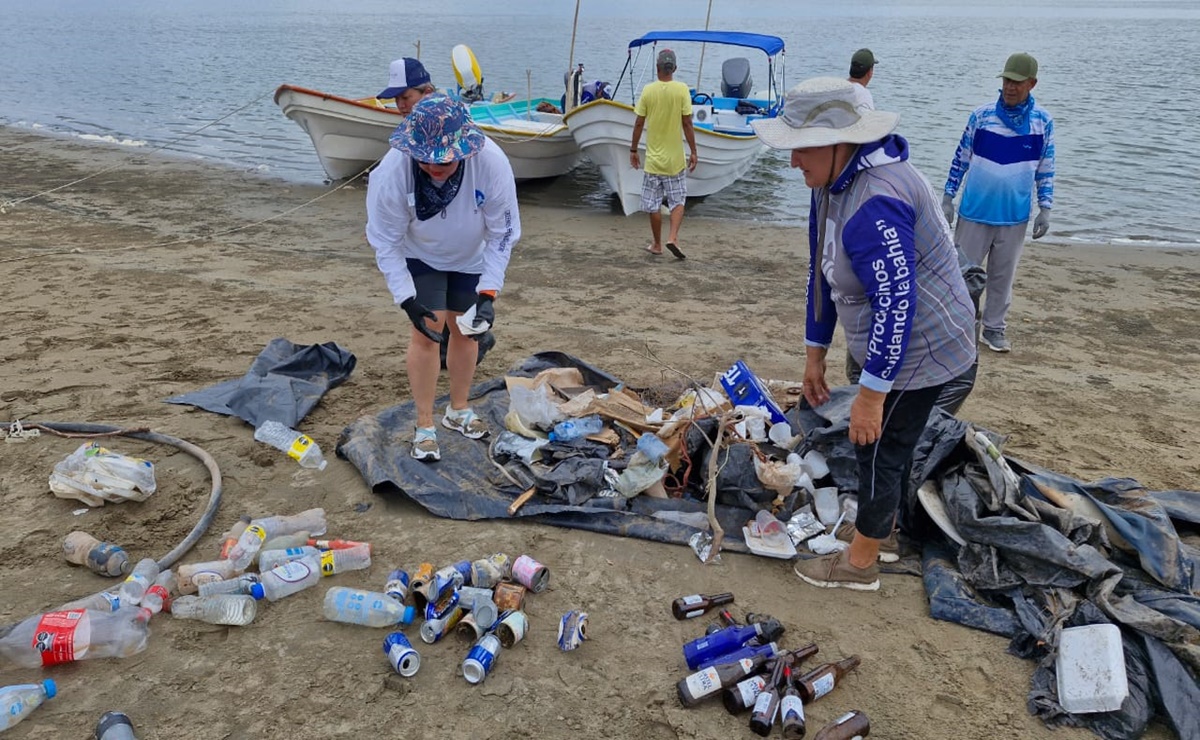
283 384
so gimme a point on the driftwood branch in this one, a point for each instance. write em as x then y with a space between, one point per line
726 420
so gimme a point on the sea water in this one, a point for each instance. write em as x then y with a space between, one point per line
1113 73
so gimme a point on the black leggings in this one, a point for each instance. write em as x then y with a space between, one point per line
884 466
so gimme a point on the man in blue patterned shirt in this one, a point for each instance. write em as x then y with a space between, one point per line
1008 146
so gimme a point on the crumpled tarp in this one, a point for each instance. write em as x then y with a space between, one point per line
1057 566
283 384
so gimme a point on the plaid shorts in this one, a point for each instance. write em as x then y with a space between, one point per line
657 187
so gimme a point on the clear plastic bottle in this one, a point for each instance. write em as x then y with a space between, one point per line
104 558
285 541
103 601
341 561
232 535
232 609
565 431
368 608
138 581
239 585
297 445
192 575
67 636
268 559
158 596
16 702
287 579
261 530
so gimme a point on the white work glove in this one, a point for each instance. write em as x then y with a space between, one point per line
948 208
1041 224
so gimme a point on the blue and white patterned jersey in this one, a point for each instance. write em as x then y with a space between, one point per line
1005 167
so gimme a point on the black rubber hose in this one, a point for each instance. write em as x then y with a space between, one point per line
104 430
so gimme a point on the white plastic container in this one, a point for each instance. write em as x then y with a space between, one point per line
825 501
1091 669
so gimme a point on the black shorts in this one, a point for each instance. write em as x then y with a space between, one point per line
442 291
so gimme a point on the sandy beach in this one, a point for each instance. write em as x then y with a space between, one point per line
131 287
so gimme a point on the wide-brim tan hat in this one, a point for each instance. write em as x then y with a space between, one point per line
820 112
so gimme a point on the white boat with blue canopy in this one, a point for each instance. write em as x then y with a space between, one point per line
726 146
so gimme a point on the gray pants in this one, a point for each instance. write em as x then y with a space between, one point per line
997 248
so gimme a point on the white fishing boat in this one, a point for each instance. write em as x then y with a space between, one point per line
726 146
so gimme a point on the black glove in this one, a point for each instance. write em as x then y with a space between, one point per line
417 314
485 311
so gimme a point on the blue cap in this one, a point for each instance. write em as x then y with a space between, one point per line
403 74
410 613
50 687
256 590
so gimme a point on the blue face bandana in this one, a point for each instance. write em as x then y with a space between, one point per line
1016 117
430 197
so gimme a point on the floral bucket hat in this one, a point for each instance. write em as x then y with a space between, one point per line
439 130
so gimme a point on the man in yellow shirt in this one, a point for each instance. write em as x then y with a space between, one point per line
665 111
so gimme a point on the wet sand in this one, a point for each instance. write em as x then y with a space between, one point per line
125 289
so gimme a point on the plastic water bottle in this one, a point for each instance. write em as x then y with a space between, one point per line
138 581
564 431
232 535
368 608
192 575
341 561
158 596
232 609
67 636
261 530
114 726
16 702
238 585
298 446
285 541
268 559
287 579
104 601
104 558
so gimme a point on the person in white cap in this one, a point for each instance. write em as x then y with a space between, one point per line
881 263
442 217
408 82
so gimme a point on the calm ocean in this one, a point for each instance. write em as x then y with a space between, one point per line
1119 76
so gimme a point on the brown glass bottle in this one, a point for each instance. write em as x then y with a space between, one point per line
709 682
740 697
689 607
849 725
766 704
821 680
791 710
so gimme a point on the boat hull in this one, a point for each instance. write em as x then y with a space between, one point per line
603 129
350 136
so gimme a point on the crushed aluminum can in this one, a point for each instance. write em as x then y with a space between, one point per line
701 543
468 630
419 585
509 596
397 585
572 630
486 573
442 607
803 525
433 630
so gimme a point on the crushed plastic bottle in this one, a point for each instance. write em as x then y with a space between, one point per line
104 601
287 579
67 636
297 445
261 530
158 596
16 702
239 585
138 581
232 609
193 575
565 431
104 558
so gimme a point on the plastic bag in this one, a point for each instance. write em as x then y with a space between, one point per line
534 406
93 475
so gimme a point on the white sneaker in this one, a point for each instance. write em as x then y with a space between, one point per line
425 445
465 422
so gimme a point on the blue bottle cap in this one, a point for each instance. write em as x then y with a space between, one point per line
50 687
256 590
410 613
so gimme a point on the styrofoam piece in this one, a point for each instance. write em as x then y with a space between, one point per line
1091 669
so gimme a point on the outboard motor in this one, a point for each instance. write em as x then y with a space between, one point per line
735 78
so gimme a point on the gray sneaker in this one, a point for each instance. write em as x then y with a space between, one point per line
995 341
835 571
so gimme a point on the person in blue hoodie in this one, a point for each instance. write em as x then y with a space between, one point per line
883 265
1008 146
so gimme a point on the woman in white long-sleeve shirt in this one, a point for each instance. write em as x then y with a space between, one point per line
442 218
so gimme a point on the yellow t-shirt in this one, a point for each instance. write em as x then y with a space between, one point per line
663 104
